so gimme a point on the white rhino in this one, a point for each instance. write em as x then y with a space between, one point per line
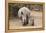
25 15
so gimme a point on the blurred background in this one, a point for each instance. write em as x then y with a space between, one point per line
14 7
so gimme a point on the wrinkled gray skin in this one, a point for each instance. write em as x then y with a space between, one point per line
24 14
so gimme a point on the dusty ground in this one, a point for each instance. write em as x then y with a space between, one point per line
16 23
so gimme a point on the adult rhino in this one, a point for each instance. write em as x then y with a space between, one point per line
25 15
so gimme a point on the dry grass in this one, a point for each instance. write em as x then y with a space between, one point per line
16 23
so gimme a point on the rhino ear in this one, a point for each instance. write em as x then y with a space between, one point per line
22 13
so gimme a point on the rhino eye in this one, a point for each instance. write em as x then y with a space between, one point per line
22 13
